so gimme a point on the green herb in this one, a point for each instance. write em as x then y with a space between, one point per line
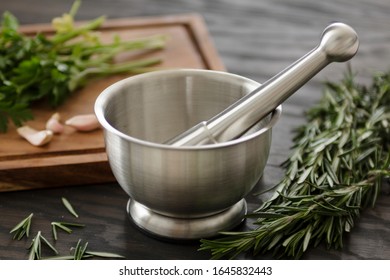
51 68
104 255
36 247
69 207
337 166
64 226
22 228
80 252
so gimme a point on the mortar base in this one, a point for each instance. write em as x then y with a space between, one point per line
182 228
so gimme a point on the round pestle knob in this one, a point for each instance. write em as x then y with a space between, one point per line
339 43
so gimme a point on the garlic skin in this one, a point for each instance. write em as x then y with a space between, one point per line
35 137
87 122
54 124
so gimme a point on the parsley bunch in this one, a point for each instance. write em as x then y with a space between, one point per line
50 68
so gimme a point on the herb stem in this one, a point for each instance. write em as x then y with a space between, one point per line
109 69
92 25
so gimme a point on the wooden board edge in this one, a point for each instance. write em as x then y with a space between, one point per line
58 171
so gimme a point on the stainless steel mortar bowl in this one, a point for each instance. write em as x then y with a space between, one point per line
181 192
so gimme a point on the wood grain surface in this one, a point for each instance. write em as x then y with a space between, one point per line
255 39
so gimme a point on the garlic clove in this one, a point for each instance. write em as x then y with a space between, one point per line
54 124
87 122
35 137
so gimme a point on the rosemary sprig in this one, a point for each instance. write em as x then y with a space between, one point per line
104 255
336 169
36 247
64 226
69 207
80 252
22 228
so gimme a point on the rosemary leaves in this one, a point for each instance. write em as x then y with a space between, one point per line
64 226
22 228
336 168
80 252
69 207
35 249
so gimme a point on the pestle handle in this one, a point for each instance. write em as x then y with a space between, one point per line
339 43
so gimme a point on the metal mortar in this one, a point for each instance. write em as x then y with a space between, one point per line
181 192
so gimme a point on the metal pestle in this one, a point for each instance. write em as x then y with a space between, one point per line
339 43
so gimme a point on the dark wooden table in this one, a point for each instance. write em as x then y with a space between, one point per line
255 39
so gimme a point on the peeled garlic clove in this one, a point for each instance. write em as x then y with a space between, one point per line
35 137
54 124
86 122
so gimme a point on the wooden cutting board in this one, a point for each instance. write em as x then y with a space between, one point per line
79 158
